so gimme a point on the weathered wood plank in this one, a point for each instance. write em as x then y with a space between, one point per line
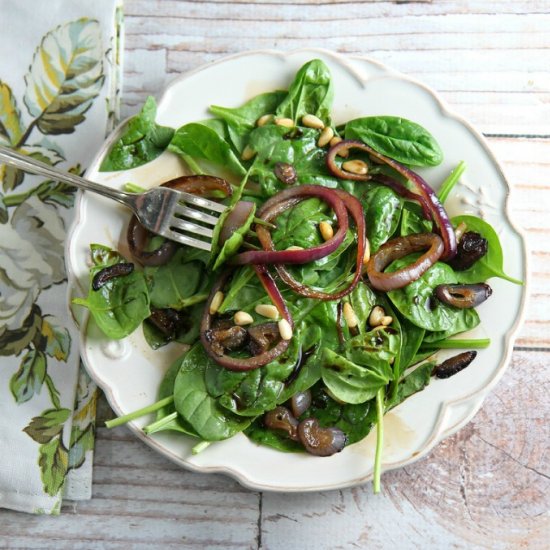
486 487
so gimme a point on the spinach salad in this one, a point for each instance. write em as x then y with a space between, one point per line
334 277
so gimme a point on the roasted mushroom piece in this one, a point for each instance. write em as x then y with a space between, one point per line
320 441
280 418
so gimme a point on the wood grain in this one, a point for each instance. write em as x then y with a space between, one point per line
488 486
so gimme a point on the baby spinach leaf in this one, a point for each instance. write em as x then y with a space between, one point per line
169 289
311 92
193 402
468 320
398 138
382 208
202 142
121 304
416 302
414 382
274 144
362 300
143 140
231 246
490 265
377 348
261 435
243 119
412 221
349 382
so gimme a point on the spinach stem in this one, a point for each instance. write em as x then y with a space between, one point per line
133 188
140 412
192 164
200 447
259 221
379 439
450 343
451 181
161 422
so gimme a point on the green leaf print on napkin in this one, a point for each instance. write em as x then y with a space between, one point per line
10 117
44 428
28 380
65 76
53 462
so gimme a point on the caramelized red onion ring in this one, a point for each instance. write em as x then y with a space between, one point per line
356 210
421 187
138 237
235 219
398 248
278 204
250 363
463 296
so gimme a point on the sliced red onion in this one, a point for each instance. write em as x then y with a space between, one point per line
251 363
398 248
278 204
356 211
438 213
401 190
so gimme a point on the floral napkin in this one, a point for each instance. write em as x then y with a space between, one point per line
59 84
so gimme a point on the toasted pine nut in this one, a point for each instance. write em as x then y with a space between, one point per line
267 310
312 121
242 318
248 153
376 316
286 122
386 320
335 140
349 316
356 167
366 257
263 120
326 136
216 302
285 329
326 230
294 247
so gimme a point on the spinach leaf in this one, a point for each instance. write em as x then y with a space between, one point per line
411 340
468 320
243 119
169 289
202 142
274 144
121 304
489 265
143 140
311 92
193 402
261 435
252 393
232 245
412 221
414 382
352 383
382 208
398 138
377 348
362 299
416 302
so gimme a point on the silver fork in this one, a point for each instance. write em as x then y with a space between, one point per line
161 210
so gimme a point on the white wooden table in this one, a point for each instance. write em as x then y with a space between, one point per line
486 487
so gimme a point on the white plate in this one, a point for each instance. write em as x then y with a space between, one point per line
129 372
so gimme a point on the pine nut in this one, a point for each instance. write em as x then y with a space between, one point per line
248 153
344 153
286 122
285 329
335 140
326 230
216 302
356 167
326 135
263 120
376 316
349 316
295 247
386 320
242 318
366 257
267 310
312 121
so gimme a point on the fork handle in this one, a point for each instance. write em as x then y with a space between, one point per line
28 164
